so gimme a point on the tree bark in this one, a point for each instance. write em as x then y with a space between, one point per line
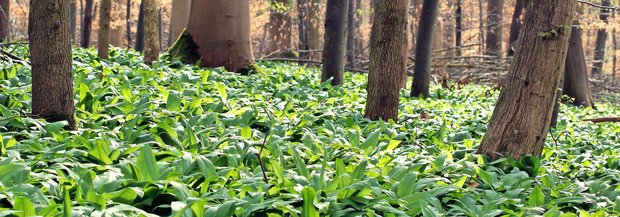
87 23
103 37
151 33
334 48
458 35
601 41
424 49
180 17
49 33
140 29
303 26
128 19
5 27
351 34
314 30
404 53
116 30
280 26
520 121
494 28
386 42
515 25
73 6
576 74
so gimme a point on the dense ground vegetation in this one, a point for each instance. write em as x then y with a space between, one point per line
182 140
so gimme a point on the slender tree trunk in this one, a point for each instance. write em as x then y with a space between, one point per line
601 41
87 23
494 28
160 28
576 74
103 37
116 30
140 29
303 26
520 121
180 17
481 24
151 33
49 33
314 30
128 20
424 49
334 48
5 27
458 35
386 42
280 26
404 53
351 34
73 5
515 26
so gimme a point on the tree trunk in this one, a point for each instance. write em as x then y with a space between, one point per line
128 19
601 41
576 74
103 37
515 25
424 49
280 26
448 30
49 33
151 33
140 29
116 30
87 23
481 25
180 17
335 41
520 121
494 28
314 30
303 26
73 21
351 34
5 27
458 35
404 53
386 42
223 41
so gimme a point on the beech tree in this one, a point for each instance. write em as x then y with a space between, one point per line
424 49
314 30
575 83
229 46
87 23
116 28
334 48
103 36
5 27
351 34
516 25
386 41
49 32
180 18
151 32
280 26
494 28
601 40
520 121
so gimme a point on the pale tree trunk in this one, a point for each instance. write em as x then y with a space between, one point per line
520 121
180 18
128 20
424 49
516 25
49 33
404 53
494 28
576 74
314 31
280 26
73 6
151 33
116 29
334 48
601 41
87 23
386 42
5 27
103 37
224 41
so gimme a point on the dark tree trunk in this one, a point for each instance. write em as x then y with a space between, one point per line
140 29
280 26
386 42
103 37
151 33
576 74
458 35
351 34
601 41
334 48
424 49
87 23
303 27
520 121
5 27
128 20
515 25
495 10
49 33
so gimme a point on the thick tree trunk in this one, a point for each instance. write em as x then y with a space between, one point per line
351 34
180 17
520 121
576 74
5 27
103 37
386 42
280 26
128 20
49 33
601 41
140 29
314 30
334 48
87 23
494 28
458 35
151 33
424 49
223 41
515 25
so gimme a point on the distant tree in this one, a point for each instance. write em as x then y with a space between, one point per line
73 6
576 74
351 34
314 29
116 27
302 27
458 19
139 46
601 40
222 41
494 28
87 23
128 20
520 121
280 26
386 41
424 49
334 48
515 25
151 33
103 36
179 19
5 27
49 33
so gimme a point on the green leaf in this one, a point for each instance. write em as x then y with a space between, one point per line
537 197
25 206
66 202
174 102
55 127
372 140
308 209
147 164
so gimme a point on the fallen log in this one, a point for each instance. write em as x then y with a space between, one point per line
603 120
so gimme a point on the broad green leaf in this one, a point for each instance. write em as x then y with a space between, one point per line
174 102
66 202
24 206
537 197
308 209
147 164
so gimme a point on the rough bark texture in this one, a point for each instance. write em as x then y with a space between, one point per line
351 34
601 41
180 17
5 27
50 54
386 41
458 35
494 28
280 26
576 74
87 23
334 48
515 25
314 30
521 118
103 36
140 29
151 33
424 49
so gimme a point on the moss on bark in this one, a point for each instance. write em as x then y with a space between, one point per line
185 49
